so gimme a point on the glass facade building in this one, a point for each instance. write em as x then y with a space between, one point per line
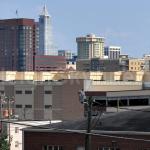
45 33
113 52
17 44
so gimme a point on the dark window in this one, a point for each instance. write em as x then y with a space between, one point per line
18 92
44 147
18 106
48 147
48 92
28 92
28 106
48 106
1 92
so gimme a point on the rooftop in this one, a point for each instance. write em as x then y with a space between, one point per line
128 121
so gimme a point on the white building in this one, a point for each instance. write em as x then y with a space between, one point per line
45 33
16 131
112 52
90 46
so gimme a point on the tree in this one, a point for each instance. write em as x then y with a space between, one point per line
4 144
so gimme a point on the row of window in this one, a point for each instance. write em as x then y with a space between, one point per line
30 106
27 92
47 147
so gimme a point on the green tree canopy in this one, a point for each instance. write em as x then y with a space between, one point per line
4 144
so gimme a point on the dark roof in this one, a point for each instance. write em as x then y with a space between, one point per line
122 121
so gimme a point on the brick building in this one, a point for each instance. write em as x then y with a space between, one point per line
42 100
17 44
120 131
49 63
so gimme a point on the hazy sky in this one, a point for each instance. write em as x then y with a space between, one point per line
125 23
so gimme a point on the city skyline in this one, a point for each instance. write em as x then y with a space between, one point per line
124 24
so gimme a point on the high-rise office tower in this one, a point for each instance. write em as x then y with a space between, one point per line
90 46
66 53
112 52
17 44
45 33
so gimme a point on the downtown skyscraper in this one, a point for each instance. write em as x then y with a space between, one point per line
26 45
45 33
17 44
90 46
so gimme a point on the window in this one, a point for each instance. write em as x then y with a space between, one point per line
18 92
48 92
1 92
49 147
80 148
28 92
18 106
28 106
16 129
48 106
109 148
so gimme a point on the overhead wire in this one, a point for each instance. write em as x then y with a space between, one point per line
77 131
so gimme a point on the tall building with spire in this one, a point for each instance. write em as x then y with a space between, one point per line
45 33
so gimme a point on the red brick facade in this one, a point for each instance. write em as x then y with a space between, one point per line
70 141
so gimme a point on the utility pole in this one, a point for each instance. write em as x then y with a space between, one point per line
88 136
88 102
118 105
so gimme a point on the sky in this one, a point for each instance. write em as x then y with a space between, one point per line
124 23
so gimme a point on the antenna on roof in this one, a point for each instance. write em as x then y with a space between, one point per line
17 13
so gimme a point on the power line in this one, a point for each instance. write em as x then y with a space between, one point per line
79 132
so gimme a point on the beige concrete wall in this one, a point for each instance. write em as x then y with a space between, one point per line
129 93
111 86
136 64
96 75
107 76
79 75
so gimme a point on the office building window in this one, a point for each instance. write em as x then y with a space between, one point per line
48 106
1 92
28 92
109 148
18 92
28 106
48 147
18 106
48 92
80 148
